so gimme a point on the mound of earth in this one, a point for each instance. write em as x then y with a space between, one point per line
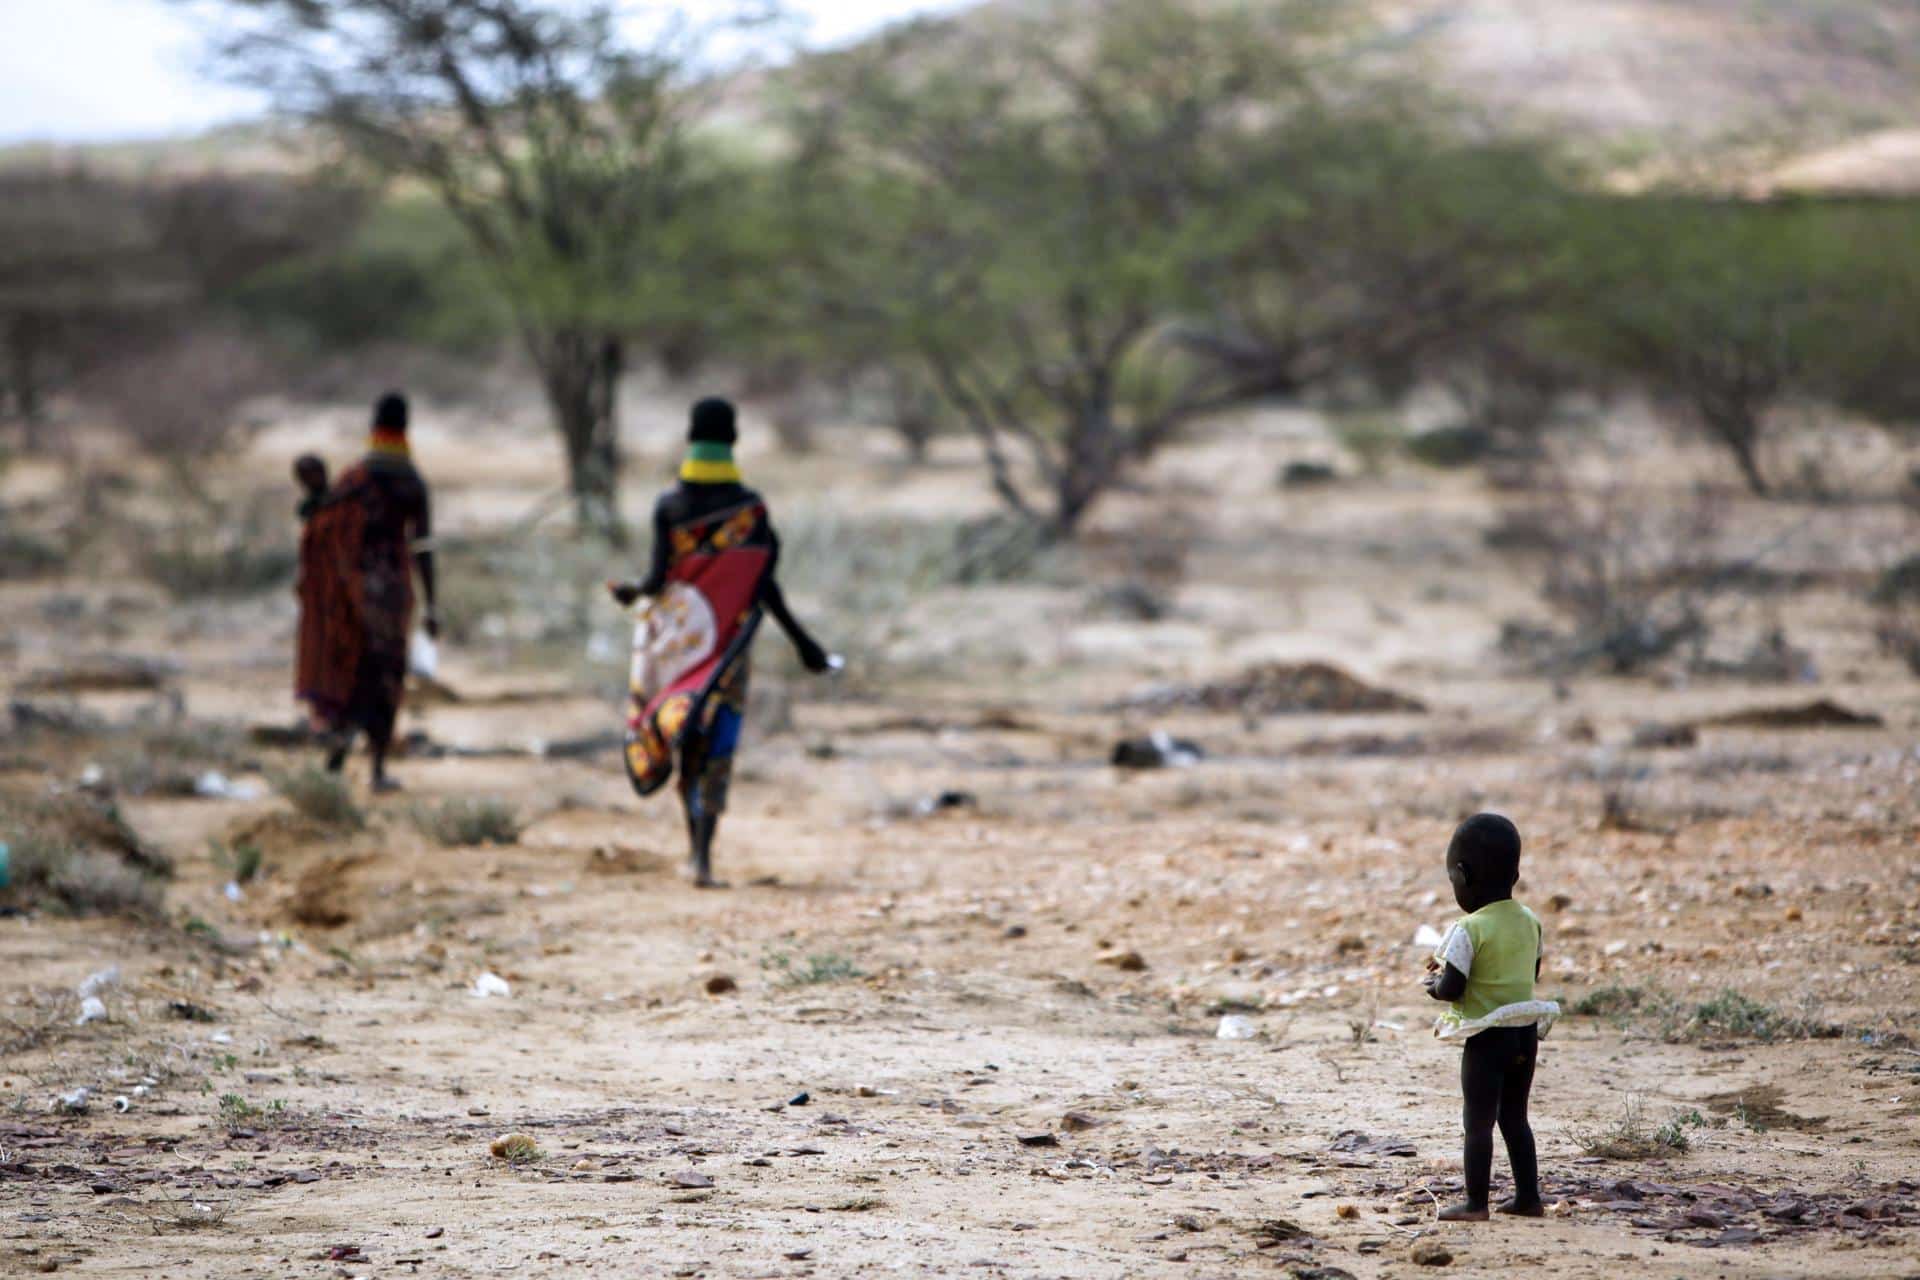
1276 688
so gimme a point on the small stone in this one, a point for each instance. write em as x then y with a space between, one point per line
1430 1253
1079 1122
1038 1140
1794 914
1189 1222
721 984
1015 931
692 1179
1127 961
1347 1211
800 1099
584 1165
436 1233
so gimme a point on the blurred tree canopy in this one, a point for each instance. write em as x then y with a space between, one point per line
564 151
103 278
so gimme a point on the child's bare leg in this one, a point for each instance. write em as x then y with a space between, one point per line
1516 1131
1481 1075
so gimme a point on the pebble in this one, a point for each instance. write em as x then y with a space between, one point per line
1430 1253
721 984
1128 961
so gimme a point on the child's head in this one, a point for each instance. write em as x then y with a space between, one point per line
1483 860
310 473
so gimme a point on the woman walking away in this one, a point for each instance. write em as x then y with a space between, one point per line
714 555
362 542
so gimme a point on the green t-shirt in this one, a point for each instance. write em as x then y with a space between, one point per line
1498 948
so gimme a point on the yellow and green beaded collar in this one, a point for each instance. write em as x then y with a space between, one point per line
710 462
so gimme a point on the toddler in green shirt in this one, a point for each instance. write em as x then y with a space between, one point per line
1485 969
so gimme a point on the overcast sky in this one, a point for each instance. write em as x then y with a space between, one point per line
99 70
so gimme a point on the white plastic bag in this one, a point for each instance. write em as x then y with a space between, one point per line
423 656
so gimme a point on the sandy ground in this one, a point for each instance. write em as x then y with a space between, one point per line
935 1054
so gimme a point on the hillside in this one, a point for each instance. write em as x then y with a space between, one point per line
1744 85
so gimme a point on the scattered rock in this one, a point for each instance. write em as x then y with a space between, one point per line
1653 735
1190 1222
1357 1143
1015 931
73 1103
1346 1211
1038 1140
944 802
691 1179
92 1009
1269 1232
1235 1026
1079 1122
721 984
435 1233
1307 475
1127 961
188 1011
1158 750
1430 1253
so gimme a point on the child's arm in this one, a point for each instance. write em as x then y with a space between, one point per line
1447 969
1446 983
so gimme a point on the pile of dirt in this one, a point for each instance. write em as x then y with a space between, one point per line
1822 713
322 896
1277 688
101 675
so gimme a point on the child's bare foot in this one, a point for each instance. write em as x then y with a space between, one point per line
1464 1212
1528 1209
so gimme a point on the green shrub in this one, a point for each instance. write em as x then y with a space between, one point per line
813 970
321 796
78 880
469 822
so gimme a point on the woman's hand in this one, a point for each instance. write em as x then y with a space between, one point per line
813 657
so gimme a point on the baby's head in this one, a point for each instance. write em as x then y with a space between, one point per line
1483 860
311 474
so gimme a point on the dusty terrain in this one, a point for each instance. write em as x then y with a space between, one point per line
312 1089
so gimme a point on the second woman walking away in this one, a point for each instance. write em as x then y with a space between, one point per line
714 557
364 539
1485 968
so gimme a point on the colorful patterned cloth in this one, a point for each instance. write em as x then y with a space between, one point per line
688 686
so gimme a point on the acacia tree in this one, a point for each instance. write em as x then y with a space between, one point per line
566 153
1726 310
1024 206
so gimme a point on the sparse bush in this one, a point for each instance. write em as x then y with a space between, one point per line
237 1113
813 970
1631 1137
469 822
321 796
1370 436
1731 1014
24 555
195 559
1450 447
240 862
79 880
1629 570
1610 1002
